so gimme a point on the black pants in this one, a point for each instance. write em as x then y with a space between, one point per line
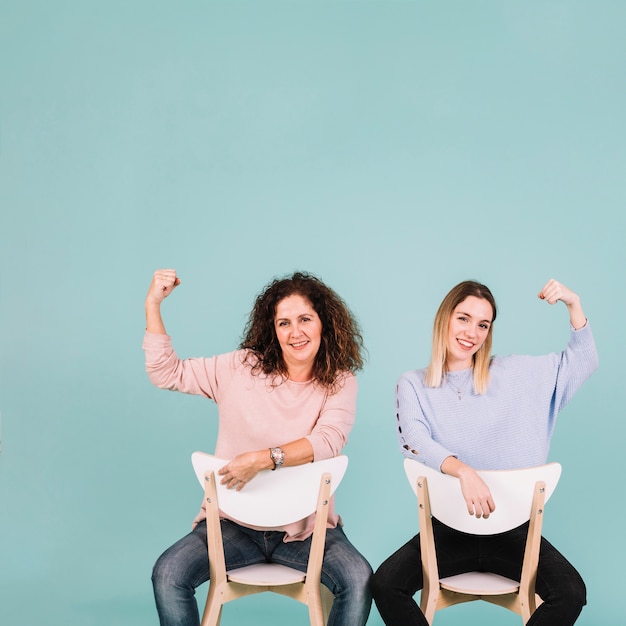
400 576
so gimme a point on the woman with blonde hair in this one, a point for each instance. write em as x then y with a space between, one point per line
470 411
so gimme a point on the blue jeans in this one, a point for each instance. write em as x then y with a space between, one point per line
400 576
184 566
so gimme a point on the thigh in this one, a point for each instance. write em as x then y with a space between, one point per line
402 570
457 552
504 553
558 583
557 579
187 561
342 565
240 547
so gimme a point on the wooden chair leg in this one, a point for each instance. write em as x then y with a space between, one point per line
327 602
212 615
429 597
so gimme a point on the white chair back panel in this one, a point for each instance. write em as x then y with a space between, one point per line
266 574
512 491
480 583
266 500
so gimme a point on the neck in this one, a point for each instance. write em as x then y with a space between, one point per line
457 366
299 373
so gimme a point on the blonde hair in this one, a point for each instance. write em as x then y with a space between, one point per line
436 371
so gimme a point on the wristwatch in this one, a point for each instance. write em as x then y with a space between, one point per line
278 456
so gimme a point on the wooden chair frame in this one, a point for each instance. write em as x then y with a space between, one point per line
227 585
517 596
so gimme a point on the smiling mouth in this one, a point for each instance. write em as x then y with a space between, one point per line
465 344
299 344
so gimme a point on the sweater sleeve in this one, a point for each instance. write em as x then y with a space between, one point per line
166 371
414 433
335 422
576 363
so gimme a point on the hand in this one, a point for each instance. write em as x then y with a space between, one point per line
553 291
163 283
243 468
476 493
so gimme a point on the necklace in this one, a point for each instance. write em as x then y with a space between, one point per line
458 381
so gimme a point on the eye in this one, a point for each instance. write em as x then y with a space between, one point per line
462 318
484 326
283 323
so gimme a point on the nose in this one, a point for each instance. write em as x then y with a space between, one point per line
470 330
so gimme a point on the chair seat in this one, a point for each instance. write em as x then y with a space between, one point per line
480 584
266 574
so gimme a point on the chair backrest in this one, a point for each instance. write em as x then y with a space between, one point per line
512 491
272 498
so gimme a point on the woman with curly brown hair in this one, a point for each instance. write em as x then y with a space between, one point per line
287 396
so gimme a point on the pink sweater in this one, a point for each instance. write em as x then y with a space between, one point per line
253 414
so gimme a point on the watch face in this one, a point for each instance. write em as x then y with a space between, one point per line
278 456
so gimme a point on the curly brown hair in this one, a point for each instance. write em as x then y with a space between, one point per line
341 348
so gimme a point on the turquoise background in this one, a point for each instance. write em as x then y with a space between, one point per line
392 148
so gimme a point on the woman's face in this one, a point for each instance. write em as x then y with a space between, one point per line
468 328
299 333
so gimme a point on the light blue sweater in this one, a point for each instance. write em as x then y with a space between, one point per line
508 427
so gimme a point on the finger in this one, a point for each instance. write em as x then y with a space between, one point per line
166 278
544 289
229 480
484 509
551 291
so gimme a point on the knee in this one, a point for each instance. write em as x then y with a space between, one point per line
161 575
577 592
357 579
568 597
386 579
351 581
167 574
378 584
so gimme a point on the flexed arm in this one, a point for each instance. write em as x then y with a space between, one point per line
553 291
162 285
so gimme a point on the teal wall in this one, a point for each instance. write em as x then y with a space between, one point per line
392 148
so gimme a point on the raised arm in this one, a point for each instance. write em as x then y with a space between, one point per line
553 291
162 285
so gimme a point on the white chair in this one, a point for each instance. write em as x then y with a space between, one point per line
271 499
520 496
